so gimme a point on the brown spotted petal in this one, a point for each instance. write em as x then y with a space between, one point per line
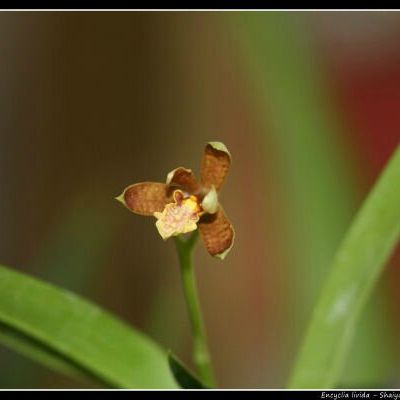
146 198
184 179
217 233
215 165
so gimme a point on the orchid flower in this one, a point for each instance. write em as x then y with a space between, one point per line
183 203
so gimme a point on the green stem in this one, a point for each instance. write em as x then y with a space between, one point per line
201 355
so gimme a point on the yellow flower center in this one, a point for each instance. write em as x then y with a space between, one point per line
179 217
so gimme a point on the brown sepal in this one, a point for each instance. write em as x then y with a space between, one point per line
217 233
215 165
145 198
183 178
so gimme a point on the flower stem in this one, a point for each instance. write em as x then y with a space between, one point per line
201 355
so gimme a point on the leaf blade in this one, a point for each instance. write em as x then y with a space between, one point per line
185 378
82 331
40 353
356 268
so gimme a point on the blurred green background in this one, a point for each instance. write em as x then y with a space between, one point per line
307 103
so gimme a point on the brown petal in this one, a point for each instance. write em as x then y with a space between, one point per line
215 166
146 198
217 233
184 178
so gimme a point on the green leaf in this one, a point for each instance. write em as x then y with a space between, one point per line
68 333
183 376
356 268
77 244
35 350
